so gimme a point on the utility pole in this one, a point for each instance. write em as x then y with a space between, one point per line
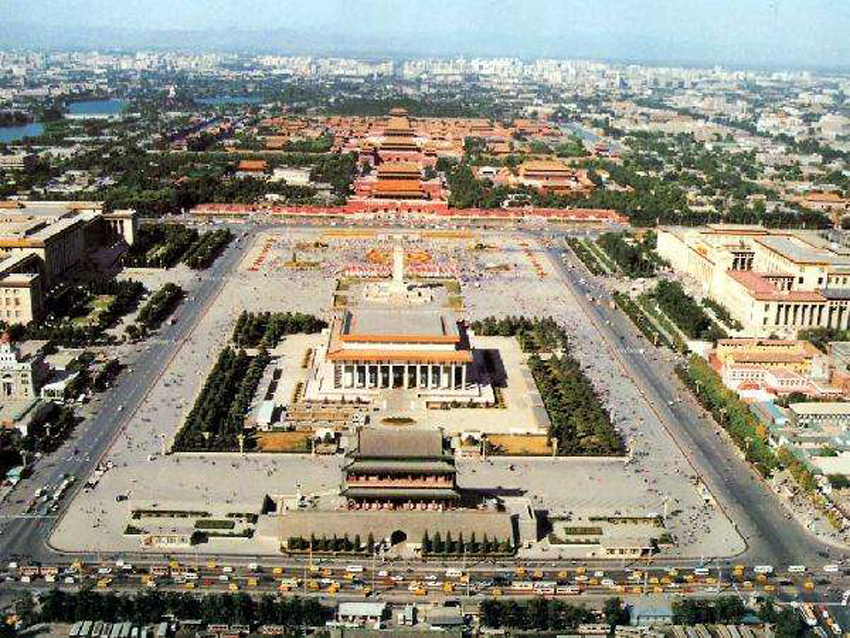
305 566
465 574
719 574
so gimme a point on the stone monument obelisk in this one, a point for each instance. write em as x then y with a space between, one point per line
398 284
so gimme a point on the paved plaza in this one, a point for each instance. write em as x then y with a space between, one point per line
510 275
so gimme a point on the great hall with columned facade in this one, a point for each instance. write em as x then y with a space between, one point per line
377 349
396 336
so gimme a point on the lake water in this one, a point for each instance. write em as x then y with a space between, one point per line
582 132
96 108
224 100
17 133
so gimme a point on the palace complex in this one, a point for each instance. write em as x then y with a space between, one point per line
397 155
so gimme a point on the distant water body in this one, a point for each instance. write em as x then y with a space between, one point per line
224 100
17 133
582 132
96 108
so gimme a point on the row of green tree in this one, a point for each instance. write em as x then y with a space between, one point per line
207 248
630 258
722 313
724 610
822 337
217 419
50 430
160 245
579 422
334 543
730 412
337 170
321 144
541 614
649 200
61 330
153 606
380 106
640 319
685 312
267 328
440 545
730 610
534 335
161 304
585 256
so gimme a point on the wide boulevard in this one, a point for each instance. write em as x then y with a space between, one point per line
772 537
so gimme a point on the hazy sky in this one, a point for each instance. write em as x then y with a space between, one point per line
807 32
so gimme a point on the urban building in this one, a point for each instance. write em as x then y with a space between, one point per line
21 370
40 242
819 414
362 613
839 365
771 280
796 356
253 168
21 288
18 162
553 176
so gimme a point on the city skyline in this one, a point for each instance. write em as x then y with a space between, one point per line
755 33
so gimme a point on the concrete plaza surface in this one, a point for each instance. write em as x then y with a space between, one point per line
515 277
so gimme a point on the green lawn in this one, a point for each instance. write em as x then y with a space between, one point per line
97 306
